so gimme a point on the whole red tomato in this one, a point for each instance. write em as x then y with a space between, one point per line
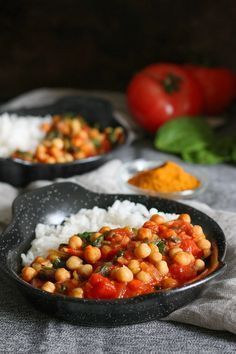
161 92
218 86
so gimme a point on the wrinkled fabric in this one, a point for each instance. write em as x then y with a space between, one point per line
216 307
25 330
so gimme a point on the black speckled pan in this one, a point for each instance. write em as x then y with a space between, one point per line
51 205
94 110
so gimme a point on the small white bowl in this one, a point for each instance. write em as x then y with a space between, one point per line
131 168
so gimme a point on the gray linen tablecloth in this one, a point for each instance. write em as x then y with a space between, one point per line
23 329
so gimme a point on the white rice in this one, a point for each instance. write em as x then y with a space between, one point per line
20 133
120 214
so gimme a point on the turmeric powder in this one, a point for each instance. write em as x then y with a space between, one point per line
167 178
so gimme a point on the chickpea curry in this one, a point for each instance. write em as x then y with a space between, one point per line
124 262
68 138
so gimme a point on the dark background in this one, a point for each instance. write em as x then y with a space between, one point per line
100 44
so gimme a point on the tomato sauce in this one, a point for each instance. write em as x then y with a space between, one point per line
123 262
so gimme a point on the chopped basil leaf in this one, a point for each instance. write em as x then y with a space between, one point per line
59 263
98 241
53 134
135 231
175 239
85 236
112 136
105 269
161 245
96 142
62 288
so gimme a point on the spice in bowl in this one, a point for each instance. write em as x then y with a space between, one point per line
167 178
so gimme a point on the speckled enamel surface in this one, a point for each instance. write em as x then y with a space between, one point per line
59 200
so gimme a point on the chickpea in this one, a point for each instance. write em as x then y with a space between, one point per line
92 254
62 275
41 150
153 247
58 143
142 251
75 242
162 267
173 251
49 287
77 292
39 260
61 159
158 219
73 262
207 252
197 230
76 126
55 152
85 270
37 266
94 133
183 258
50 159
52 257
28 273
169 283
41 156
204 244
95 236
124 274
199 265
104 229
79 155
134 266
185 218
144 234
122 260
47 263
105 249
143 276
68 157
45 127
155 257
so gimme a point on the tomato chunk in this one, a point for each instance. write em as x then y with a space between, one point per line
182 273
189 245
100 287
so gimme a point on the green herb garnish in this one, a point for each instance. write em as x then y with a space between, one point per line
53 134
175 239
98 241
195 141
96 142
59 263
105 269
62 288
161 245
85 236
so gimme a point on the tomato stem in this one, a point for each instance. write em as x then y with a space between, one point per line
171 83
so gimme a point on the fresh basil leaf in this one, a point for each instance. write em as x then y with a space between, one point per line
181 134
204 156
